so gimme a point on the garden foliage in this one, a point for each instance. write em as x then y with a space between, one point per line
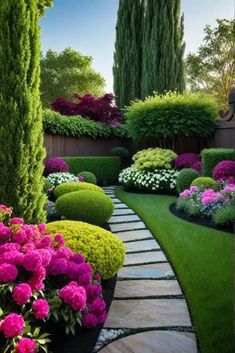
204 183
212 156
88 177
102 249
154 158
185 178
65 188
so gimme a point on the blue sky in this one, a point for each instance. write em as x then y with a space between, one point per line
89 26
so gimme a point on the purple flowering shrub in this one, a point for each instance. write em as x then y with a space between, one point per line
55 165
102 109
188 160
41 279
224 170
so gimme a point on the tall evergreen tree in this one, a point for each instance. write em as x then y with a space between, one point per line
163 47
128 52
21 136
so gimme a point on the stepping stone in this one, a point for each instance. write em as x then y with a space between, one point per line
120 206
116 201
124 211
144 258
142 313
121 219
146 288
143 245
154 342
159 270
132 235
127 226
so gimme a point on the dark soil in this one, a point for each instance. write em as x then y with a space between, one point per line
200 221
85 339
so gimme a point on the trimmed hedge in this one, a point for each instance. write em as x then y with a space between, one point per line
55 123
212 156
66 188
102 249
106 169
86 206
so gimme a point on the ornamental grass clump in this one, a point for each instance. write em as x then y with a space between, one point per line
42 280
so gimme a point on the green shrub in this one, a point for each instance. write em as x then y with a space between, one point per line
56 123
47 185
204 183
225 216
121 152
185 178
154 158
66 188
88 177
171 115
180 204
87 206
102 249
212 156
106 169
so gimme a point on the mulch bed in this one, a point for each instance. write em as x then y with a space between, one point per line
200 221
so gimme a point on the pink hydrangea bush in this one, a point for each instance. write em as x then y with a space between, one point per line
41 280
224 171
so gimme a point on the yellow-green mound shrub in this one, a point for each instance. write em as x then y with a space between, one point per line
65 188
102 249
204 183
87 206
154 158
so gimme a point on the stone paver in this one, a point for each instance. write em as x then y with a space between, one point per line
159 270
146 288
127 226
125 211
154 342
116 201
121 219
133 235
145 257
139 313
143 245
120 206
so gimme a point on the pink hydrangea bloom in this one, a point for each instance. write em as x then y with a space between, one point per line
57 267
26 345
12 325
13 257
32 260
8 247
6 209
185 194
5 232
89 320
45 241
45 256
84 279
74 296
229 188
40 309
92 292
78 258
42 228
98 306
17 221
64 252
22 293
8 273
60 240
209 196
20 237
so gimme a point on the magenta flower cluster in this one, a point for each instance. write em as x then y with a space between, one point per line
189 192
29 256
224 171
188 160
211 196
102 109
55 165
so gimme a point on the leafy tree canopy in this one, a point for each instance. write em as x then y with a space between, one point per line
42 4
212 68
66 73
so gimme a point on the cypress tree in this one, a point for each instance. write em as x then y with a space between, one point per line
128 52
163 48
21 136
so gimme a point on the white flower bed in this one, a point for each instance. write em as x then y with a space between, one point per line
60 178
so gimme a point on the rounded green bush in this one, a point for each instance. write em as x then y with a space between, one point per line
87 206
88 177
120 152
204 183
154 158
66 188
185 179
102 249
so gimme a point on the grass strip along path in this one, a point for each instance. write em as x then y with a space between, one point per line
203 261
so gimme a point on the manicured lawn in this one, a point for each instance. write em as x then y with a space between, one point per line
203 261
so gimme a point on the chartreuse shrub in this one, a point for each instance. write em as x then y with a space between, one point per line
21 137
185 178
47 185
102 249
170 115
212 156
75 186
106 169
88 177
204 183
154 158
87 206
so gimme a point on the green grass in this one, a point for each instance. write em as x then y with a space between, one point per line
203 260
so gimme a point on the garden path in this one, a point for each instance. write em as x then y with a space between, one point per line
149 313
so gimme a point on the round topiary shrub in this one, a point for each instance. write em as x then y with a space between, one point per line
224 170
55 165
121 152
88 177
154 158
87 206
102 249
75 186
204 183
186 160
185 178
